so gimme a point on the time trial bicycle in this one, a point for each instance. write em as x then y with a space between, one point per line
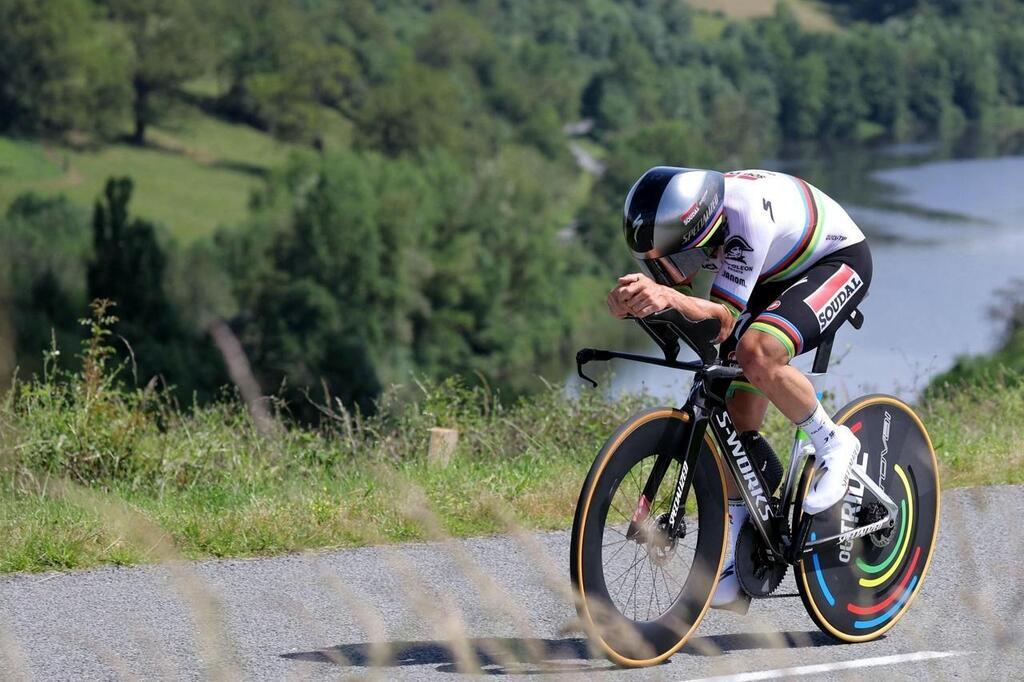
651 524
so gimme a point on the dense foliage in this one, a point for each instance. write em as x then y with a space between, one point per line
439 222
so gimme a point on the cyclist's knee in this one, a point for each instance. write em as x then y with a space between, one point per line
760 356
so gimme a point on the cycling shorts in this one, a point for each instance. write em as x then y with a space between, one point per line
802 311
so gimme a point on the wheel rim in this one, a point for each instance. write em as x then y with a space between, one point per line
858 590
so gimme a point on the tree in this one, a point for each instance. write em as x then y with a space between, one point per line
129 267
59 70
45 243
171 44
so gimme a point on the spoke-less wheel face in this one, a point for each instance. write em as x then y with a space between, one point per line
645 570
643 587
858 589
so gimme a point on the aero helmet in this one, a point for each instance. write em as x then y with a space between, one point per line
672 219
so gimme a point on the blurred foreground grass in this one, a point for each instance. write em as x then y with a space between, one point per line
207 482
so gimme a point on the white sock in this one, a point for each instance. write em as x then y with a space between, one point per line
819 427
737 517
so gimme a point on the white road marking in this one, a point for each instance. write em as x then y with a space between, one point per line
822 668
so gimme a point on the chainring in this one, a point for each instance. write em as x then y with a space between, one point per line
757 575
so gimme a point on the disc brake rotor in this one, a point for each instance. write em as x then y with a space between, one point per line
660 543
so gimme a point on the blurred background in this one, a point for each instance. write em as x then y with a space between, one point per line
366 191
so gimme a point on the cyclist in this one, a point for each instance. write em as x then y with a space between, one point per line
785 265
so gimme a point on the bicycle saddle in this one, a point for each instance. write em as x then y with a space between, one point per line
669 326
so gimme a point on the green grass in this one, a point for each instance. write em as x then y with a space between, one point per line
93 473
193 177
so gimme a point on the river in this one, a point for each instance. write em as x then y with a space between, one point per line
946 237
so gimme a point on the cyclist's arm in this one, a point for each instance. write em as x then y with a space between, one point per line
641 296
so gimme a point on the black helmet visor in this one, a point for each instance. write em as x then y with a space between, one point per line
678 268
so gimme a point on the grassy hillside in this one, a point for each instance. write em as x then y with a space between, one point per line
194 174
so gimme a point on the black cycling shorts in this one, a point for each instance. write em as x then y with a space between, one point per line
801 311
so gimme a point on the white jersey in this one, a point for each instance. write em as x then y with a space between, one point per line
778 227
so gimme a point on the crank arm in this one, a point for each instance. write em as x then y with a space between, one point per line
876 490
887 521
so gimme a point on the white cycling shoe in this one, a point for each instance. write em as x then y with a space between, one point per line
835 461
729 596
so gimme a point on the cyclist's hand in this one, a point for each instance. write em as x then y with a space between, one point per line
618 298
643 296
616 306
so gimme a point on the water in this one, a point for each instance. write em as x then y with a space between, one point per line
946 236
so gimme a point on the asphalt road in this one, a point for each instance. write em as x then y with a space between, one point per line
434 610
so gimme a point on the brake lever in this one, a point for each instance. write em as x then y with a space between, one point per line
584 356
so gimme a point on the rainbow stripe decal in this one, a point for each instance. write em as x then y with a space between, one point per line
709 231
809 237
734 303
782 329
886 608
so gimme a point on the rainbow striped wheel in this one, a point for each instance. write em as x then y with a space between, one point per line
857 590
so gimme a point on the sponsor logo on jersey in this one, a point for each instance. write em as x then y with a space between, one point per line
773 306
828 299
835 238
735 248
733 278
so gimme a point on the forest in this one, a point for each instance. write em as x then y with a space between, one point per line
432 216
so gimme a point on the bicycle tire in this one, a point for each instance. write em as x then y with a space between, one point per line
638 643
858 591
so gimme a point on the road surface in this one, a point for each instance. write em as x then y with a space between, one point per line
497 605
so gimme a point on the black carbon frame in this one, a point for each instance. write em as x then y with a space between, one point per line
762 512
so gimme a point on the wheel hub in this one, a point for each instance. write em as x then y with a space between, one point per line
660 542
872 513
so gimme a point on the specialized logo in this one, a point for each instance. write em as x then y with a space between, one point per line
828 299
697 216
678 498
746 468
774 306
735 248
638 222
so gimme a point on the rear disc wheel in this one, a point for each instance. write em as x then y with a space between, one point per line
857 590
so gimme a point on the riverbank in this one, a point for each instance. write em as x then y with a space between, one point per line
96 474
